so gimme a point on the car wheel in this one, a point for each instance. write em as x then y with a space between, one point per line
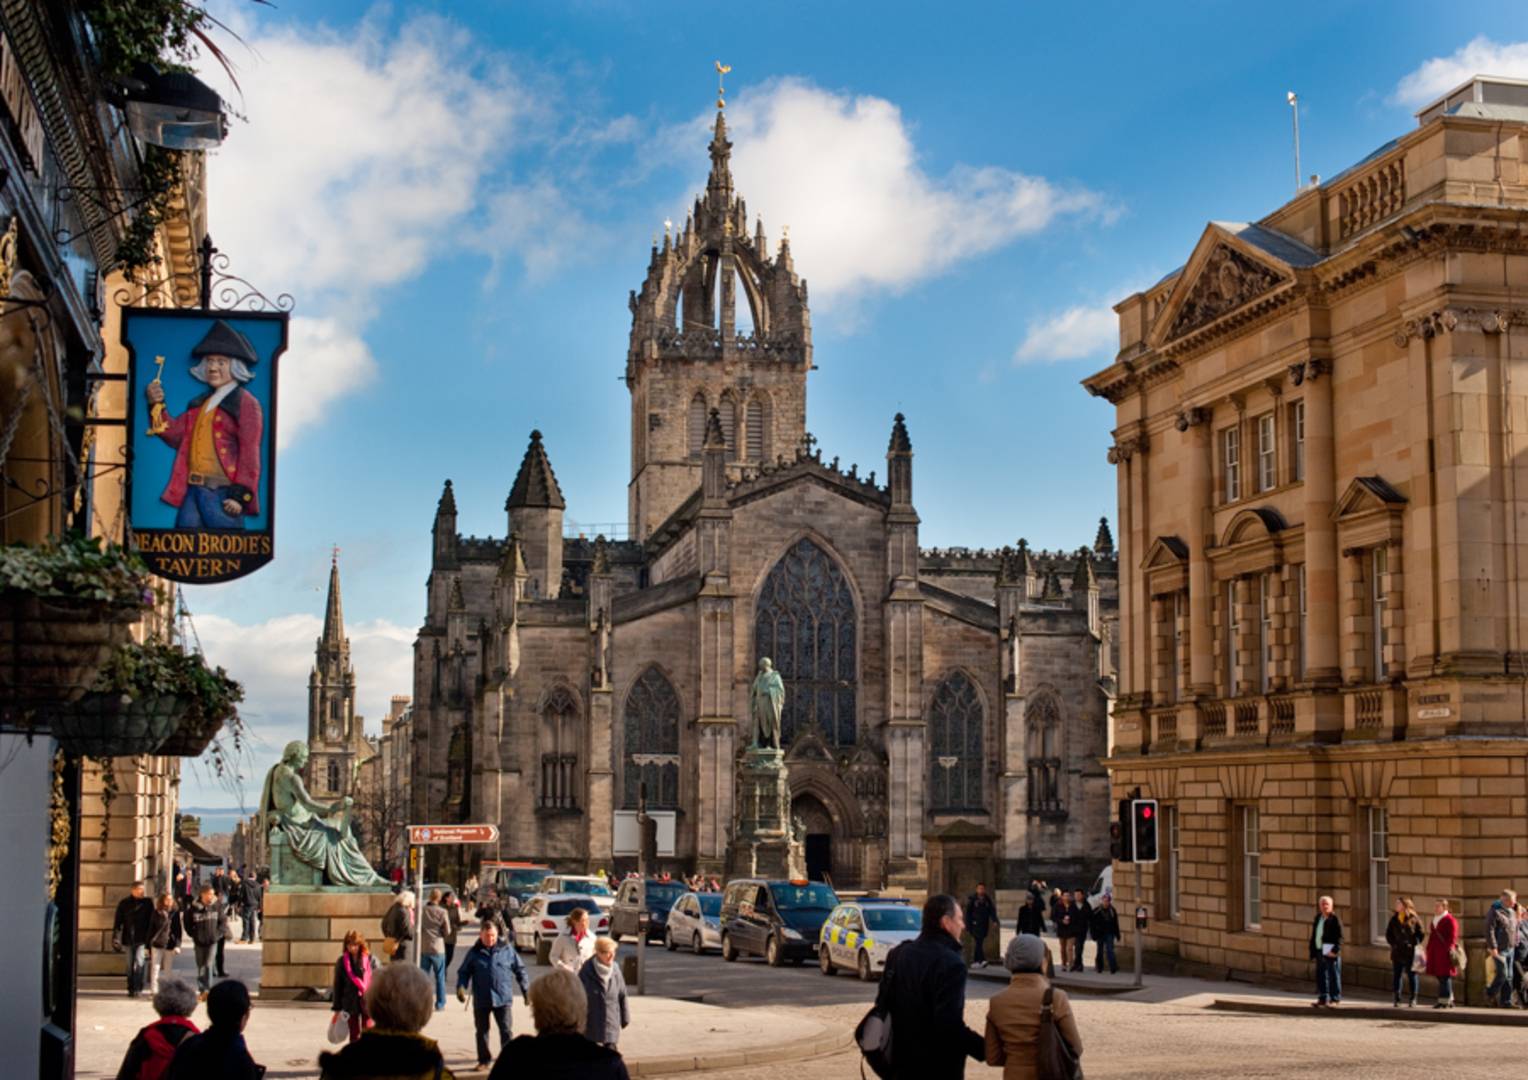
826 959
772 951
729 953
668 940
864 966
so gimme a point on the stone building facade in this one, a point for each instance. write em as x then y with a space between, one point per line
554 677
336 733
1322 673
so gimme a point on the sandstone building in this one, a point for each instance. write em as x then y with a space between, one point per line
1321 552
554 676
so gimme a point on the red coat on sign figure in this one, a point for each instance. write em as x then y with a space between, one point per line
215 480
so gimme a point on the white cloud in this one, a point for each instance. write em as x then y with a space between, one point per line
843 173
1075 333
1481 56
331 360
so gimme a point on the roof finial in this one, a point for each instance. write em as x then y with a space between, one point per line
721 90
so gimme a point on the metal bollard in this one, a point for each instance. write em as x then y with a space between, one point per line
629 969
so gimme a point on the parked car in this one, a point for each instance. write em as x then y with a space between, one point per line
695 920
661 896
778 920
545 915
859 934
512 880
583 884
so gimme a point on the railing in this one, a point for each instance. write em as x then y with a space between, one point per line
1245 713
1368 710
1281 715
1372 197
1212 718
1167 725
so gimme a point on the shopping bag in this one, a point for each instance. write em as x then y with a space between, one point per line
1419 960
339 1027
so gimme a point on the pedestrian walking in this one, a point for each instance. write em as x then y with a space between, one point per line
981 916
220 1050
400 1001
1082 915
398 928
1501 944
453 908
231 907
491 911
219 883
470 890
558 1050
149 1055
1013 1014
923 990
1057 902
434 925
572 948
1326 951
130 934
1520 959
1103 924
491 968
1442 960
1031 918
1403 933
205 924
254 901
1065 917
353 973
164 939
605 988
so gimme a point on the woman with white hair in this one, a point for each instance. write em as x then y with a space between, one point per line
153 1048
558 1050
1013 1015
400 1001
398 928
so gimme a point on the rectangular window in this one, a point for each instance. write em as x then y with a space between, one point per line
1300 622
1379 872
1251 869
1267 457
1230 441
1379 568
1171 812
1297 440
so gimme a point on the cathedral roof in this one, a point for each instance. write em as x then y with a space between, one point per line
536 484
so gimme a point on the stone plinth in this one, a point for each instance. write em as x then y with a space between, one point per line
763 845
303 932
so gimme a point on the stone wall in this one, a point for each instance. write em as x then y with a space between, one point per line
304 932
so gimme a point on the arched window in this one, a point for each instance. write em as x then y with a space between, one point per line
955 746
805 623
756 437
333 775
1045 751
695 426
456 765
559 752
728 416
651 751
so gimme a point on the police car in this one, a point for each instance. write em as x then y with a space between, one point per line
860 933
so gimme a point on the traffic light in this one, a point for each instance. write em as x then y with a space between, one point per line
1143 832
1119 834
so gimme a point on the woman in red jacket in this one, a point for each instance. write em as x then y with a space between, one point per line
1441 939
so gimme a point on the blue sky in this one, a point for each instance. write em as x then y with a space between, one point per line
460 195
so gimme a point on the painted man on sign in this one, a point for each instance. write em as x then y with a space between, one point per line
766 701
215 479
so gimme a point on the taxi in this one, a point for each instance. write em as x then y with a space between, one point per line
859 935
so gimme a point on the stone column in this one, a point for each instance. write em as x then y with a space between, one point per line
1322 635
1201 599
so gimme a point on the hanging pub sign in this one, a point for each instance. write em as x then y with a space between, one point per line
201 419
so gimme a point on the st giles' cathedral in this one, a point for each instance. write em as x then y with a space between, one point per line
928 693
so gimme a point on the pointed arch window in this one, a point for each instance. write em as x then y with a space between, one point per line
650 724
805 622
755 433
695 424
729 418
456 766
955 746
1045 746
559 752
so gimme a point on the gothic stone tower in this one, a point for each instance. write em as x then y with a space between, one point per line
334 729
687 357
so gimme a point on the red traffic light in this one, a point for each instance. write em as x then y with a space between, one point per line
1146 812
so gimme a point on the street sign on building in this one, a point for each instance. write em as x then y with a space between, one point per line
453 834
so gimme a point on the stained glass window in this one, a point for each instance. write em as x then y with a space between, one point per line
651 751
805 623
559 752
955 741
1043 719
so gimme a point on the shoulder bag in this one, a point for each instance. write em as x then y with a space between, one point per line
873 1037
1054 1057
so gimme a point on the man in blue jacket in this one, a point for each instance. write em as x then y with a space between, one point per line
489 966
924 989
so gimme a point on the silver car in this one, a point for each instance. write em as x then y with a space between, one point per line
695 921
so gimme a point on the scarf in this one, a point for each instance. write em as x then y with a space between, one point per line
361 982
604 971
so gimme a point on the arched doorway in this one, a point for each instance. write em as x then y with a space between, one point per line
818 841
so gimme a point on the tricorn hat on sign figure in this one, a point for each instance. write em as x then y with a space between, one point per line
224 340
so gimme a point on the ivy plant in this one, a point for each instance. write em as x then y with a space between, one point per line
78 568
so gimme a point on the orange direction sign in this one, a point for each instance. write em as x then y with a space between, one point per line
453 834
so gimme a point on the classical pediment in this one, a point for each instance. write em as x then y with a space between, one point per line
1165 551
1232 267
1367 494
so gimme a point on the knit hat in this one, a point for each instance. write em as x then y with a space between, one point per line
1025 953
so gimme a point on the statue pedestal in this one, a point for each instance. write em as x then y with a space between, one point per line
304 930
762 845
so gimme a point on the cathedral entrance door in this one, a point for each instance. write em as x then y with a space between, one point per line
819 855
818 828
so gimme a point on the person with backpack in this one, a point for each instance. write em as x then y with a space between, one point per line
149 1055
923 994
1015 1037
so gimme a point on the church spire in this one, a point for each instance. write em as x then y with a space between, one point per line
334 617
536 484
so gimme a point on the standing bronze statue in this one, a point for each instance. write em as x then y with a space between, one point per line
765 703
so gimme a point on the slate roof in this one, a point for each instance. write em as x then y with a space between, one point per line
536 484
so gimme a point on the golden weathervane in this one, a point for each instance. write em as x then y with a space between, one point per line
721 91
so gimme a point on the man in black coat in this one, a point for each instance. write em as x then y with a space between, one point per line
252 898
1082 916
1103 924
206 922
981 916
924 992
130 931
1032 915
1326 951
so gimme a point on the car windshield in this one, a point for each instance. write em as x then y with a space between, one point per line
891 918
661 896
522 878
710 904
588 888
562 907
795 897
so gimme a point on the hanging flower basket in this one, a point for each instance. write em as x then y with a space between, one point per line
112 724
192 736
